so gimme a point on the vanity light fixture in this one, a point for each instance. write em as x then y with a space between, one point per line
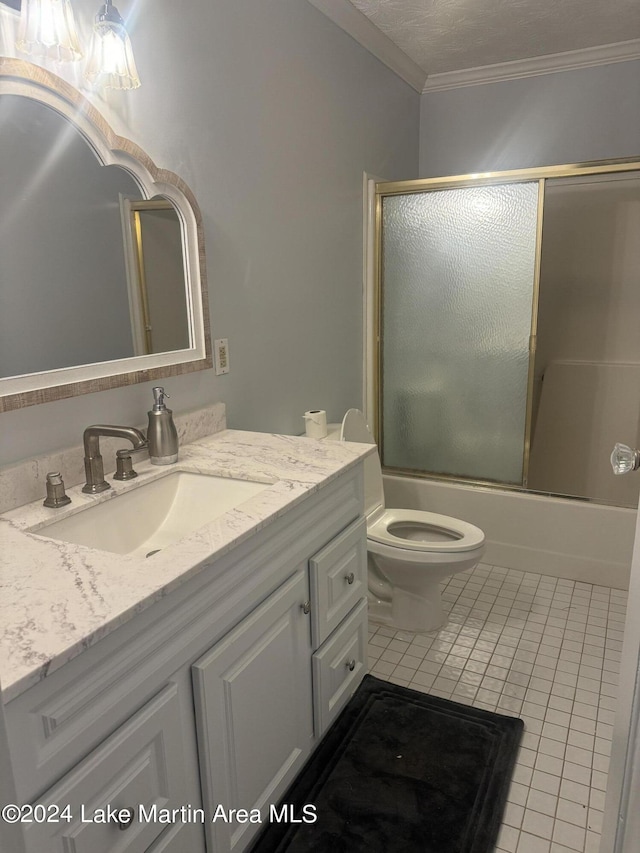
111 63
47 29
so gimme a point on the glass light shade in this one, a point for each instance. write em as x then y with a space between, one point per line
47 29
111 63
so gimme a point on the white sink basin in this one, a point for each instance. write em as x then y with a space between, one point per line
158 513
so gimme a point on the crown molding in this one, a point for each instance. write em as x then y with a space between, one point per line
350 19
569 61
360 28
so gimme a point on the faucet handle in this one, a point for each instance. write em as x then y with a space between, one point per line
56 495
124 466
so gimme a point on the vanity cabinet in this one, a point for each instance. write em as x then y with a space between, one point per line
215 695
260 706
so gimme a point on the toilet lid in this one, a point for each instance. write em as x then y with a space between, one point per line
417 530
354 428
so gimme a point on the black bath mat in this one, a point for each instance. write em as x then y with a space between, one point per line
402 772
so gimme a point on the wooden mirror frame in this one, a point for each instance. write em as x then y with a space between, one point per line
22 78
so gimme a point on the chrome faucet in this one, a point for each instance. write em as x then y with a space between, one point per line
93 464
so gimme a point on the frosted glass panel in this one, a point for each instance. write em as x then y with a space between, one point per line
457 291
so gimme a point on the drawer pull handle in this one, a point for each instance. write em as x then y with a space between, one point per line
350 578
306 607
125 818
351 665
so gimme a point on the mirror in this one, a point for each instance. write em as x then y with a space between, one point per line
101 254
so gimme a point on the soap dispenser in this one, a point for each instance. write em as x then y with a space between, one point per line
162 435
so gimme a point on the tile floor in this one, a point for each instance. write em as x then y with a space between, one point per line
547 650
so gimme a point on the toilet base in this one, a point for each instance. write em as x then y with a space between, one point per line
407 612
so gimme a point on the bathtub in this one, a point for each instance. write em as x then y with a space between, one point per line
564 538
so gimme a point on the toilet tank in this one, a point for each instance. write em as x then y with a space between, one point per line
354 428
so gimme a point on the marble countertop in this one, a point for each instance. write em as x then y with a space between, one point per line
57 599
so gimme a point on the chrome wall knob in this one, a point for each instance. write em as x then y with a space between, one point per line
624 459
350 578
351 664
306 607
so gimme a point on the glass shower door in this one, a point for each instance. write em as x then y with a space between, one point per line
458 284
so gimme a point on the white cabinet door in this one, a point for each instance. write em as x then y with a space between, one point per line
253 700
139 767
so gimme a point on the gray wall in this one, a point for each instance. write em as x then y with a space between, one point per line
271 114
567 117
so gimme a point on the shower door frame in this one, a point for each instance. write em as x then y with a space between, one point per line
537 175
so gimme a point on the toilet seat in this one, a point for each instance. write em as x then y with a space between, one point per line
409 552
464 536
454 536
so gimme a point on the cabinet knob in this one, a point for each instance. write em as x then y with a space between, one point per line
350 578
125 818
306 607
351 664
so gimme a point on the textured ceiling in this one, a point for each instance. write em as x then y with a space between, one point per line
450 35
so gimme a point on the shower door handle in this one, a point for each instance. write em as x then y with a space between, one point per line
624 459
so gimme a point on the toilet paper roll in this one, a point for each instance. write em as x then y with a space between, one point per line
315 423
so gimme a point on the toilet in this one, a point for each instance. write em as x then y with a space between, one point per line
409 551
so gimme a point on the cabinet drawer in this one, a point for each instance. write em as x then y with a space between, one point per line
141 764
338 579
338 667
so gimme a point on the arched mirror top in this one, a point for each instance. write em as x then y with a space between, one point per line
102 267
